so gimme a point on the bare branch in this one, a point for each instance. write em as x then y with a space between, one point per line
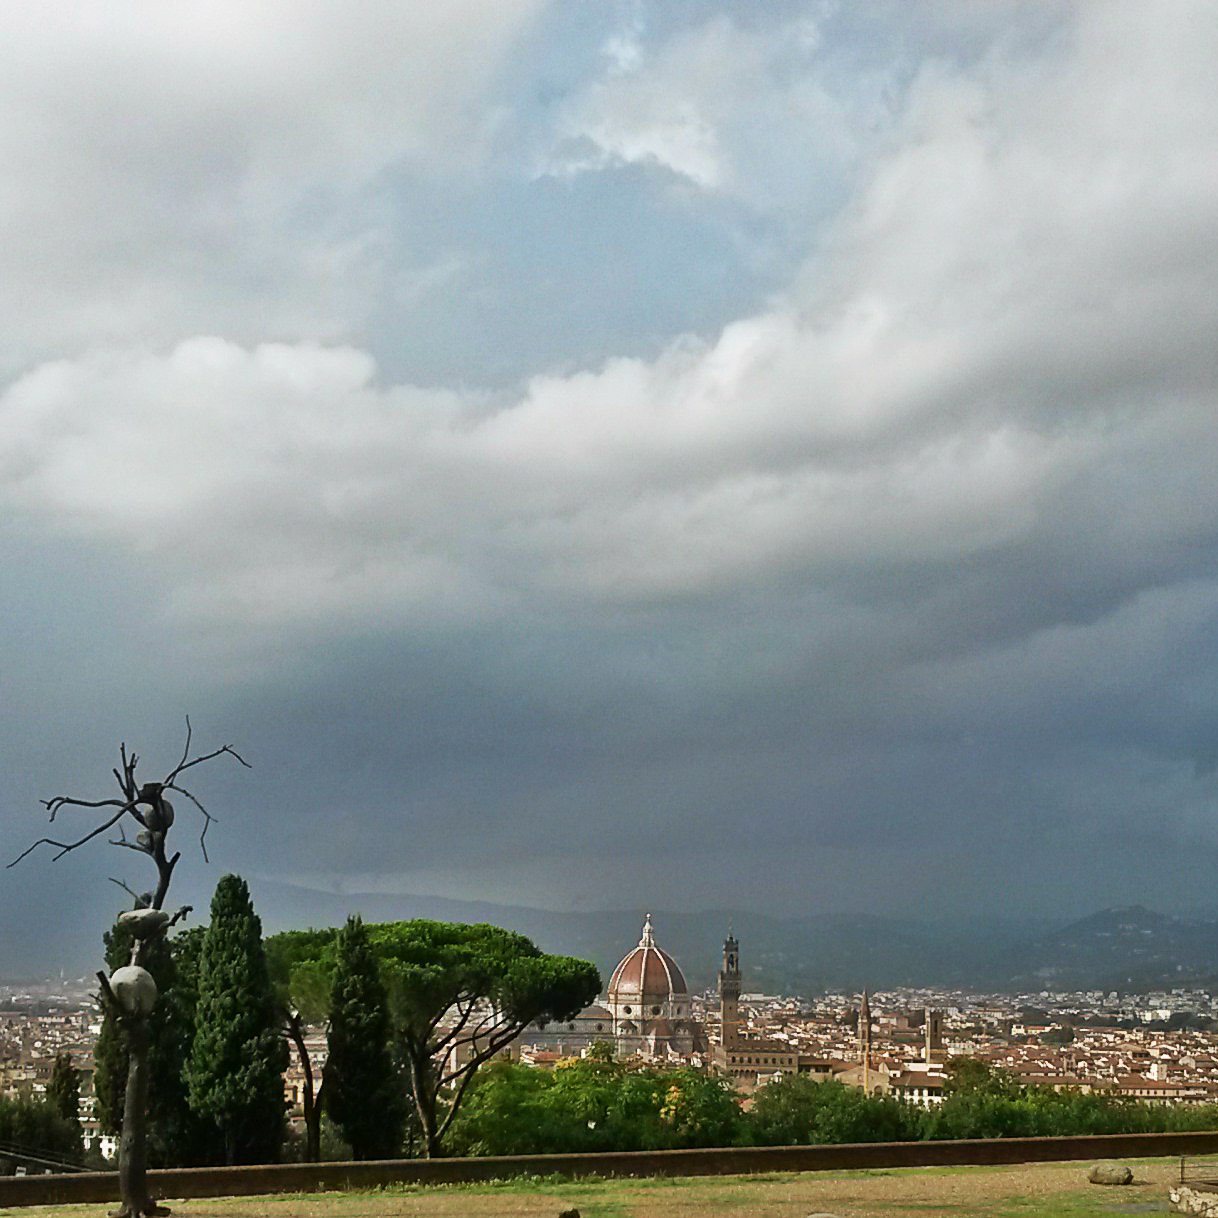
164 868
228 748
453 1034
122 841
185 750
207 816
125 779
62 801
67 847
135 896
149 809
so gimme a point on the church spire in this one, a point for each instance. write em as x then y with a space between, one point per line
647 940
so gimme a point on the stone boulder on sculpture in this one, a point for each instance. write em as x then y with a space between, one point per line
144 923
134 990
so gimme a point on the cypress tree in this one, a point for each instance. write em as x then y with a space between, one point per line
234 1074
364 1094
177 1135
63 1092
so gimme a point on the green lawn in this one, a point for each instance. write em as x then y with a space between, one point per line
1043 1190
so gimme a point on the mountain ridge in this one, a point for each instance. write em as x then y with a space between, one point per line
1127 948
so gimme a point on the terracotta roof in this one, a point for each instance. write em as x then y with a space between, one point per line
647 972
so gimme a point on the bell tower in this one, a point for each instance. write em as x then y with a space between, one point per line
864 1038
729 992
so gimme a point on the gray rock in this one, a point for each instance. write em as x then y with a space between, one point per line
159 816
134 989
1110 1173
144 923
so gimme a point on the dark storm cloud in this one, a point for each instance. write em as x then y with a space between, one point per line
880 576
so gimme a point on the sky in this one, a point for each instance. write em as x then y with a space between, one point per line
657 453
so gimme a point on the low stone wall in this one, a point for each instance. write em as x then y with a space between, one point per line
1200 1202
101 1187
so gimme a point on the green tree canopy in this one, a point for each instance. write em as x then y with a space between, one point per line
459 994
237 1059
592 1104
37 1125
799 1111
301 967
972 1076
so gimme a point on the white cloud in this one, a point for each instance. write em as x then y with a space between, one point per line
1008 342
714 104
169 166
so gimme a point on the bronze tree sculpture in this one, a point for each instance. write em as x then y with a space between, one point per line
129 993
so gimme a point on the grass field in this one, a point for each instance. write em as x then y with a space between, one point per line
1042 1190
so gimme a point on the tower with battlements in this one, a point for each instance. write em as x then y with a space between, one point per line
729 992
749 1060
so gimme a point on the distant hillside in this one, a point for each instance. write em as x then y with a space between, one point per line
1128 950
784 955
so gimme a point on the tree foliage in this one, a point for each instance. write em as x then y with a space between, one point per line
301 966
595 1103
601 1104
63 1093
37 1125
801 1111
459 994
364 1093
235 1069
972 1076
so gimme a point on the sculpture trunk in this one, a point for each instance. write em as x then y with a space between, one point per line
132 1152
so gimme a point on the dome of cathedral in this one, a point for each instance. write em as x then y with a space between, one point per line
648 975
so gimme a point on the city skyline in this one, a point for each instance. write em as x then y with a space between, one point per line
613 456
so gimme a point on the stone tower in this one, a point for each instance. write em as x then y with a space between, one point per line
934 1035
864 1037
729 992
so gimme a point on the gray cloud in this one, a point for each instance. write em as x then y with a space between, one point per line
899 582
